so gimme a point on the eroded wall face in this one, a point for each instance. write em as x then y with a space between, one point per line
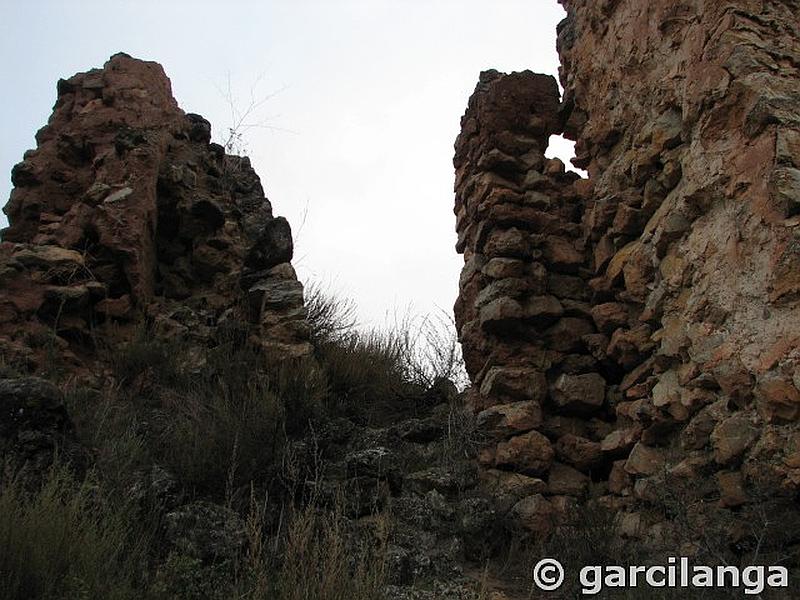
126 214
642 325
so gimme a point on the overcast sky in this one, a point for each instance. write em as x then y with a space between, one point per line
364 107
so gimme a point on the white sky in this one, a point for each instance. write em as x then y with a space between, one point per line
358 155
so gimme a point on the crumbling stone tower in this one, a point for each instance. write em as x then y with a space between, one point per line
126 213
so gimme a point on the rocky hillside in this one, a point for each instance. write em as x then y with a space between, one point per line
175 420
633 336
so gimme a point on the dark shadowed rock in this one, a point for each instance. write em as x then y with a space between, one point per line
206 531
35 427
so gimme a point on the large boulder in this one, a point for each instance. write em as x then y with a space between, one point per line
34 426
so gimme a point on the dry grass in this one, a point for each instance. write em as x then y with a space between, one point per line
322 559
67 540
370 371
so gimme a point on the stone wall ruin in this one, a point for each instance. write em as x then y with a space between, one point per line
640 327
126 214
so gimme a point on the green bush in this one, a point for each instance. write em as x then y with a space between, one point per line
362 370
365 373
113 426
217 441
66 541
232 423
369 371
217 419
302 387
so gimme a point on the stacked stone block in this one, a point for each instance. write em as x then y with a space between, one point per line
524 314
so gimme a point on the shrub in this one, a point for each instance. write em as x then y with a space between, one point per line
362 369
431 349
69 540
365 373
216 418
113 426
302 387
369 370
464 438
315 555
330 319
232 424
215 437
66 541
